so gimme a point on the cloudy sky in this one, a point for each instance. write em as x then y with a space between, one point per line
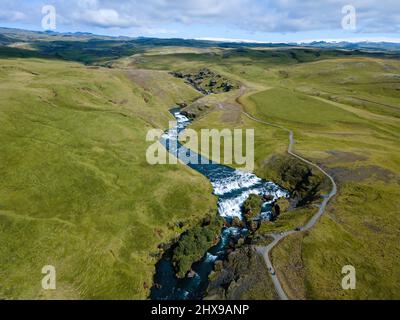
260 20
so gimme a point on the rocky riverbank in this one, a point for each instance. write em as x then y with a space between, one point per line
243 275
207 81
231 187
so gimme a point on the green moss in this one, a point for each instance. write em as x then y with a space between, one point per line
194 243
252 206
76 190
303 182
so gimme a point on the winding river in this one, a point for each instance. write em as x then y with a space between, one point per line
232 187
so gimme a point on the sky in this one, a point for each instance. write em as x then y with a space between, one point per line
248 20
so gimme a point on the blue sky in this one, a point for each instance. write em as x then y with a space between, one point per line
256 20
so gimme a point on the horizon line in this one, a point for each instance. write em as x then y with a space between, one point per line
354 40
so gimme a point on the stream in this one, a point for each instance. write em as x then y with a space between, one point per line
232 188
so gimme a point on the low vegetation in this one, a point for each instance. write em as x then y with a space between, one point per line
194 243
77 193
206 81
252 210
242 276
76 190
348 126
304 183
252 206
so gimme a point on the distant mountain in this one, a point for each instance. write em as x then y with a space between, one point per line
9 36
365 46
4 40
19 35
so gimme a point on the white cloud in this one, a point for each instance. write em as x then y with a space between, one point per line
373 16
12 16
106 18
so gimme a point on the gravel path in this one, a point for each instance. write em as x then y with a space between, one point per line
265 251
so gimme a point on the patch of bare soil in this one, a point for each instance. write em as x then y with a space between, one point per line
372 227
141 77
232 113
363 173
343 157
196 110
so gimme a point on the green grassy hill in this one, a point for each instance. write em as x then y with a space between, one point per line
344 112
76 191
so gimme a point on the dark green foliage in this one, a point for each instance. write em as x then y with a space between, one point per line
194 243
9 52
299 179
207 81
252 209
88 52
252 206
242 275
5 40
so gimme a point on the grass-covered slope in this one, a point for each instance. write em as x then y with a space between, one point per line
76 191
343 109
370 84
358 145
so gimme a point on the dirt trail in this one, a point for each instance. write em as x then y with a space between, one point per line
277 237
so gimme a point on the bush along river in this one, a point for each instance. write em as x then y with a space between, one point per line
232 187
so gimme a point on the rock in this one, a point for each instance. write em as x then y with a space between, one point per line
180 224
182 104
218 265
191 274
284 204
189 115
157 286
163 246
268 197
302 181
276 211
237 222
253 226
281 206
177 74
244 271
206 81
240 242
252 206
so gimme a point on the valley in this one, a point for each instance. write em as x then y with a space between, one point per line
77 192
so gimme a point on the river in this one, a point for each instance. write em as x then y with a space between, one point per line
232 187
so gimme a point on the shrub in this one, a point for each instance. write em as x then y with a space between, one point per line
252 206
194 243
